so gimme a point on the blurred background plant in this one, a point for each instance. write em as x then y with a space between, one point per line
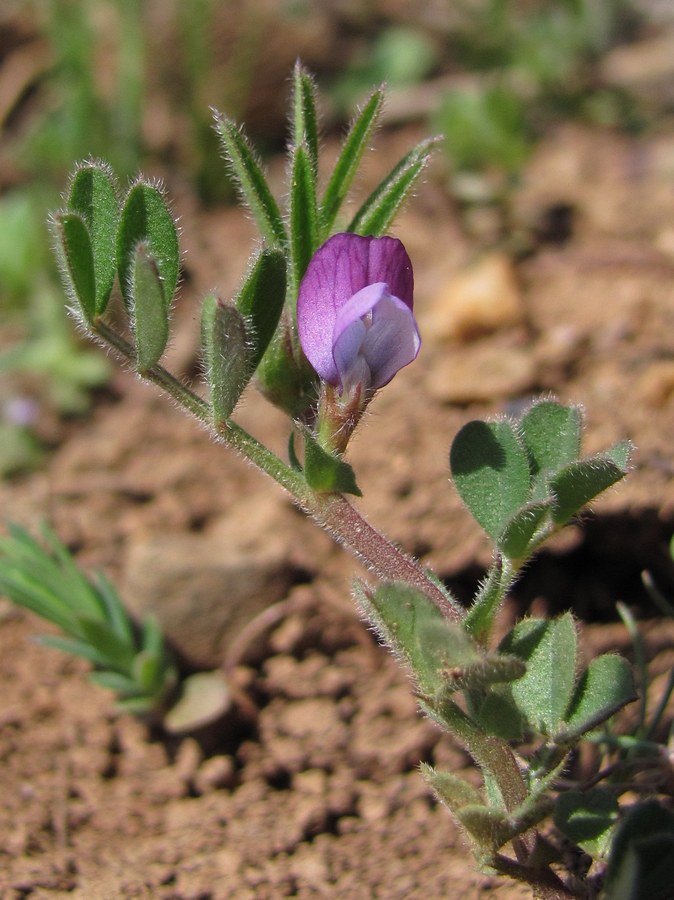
534 64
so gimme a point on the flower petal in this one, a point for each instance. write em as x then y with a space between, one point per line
344 265
392 340
375 335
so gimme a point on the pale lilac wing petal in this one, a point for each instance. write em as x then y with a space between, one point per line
360 304
349 359
349 333
392 341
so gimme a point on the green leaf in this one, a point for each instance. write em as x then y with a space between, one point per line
376 214
146 670
549 649
45 579
490 669
152 640
604 688
620 454
250 181
260 300
641 863
26 591
326 473
436 650
303 213
490 828
115 613
226 354
580 482
499 715
117 653
93 195
348 162
450 789
551 435
286 381
587 818
148 307
146 220
491 473
304 118
74 648
518 533
115 681
64 576
76 261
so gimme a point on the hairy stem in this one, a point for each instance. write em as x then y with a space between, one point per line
333 511
343 521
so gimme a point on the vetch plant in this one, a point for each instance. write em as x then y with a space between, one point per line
324 319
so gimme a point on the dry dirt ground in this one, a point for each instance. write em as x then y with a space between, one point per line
311 790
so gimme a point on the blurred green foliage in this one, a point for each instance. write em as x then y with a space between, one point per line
90 101
398 55
534 63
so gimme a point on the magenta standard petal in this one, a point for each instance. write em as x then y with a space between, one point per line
389 262
344 265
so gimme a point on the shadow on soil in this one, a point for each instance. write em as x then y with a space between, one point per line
604 566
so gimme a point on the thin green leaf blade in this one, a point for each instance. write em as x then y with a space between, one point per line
304 117
147 220
116 652
93 195
147 304
75 647
250 181
348 162
76 262
115 613
303 214
260 301
226 354
380 209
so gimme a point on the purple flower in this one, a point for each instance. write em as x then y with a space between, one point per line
354 311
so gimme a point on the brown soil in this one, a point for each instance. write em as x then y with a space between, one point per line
312 790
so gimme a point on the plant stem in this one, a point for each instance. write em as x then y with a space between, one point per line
333 511
346 525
